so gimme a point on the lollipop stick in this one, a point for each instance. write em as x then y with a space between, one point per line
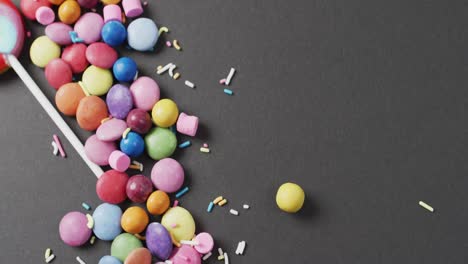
49 108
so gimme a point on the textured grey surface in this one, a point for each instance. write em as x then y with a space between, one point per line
363 103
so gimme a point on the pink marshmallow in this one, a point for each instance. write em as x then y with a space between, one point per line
119 161
45 15
187 125
112 12
132 8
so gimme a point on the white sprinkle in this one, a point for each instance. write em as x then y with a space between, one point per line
54 145
47 253
226 259
171 70
207 256
231 74
241 251
233 212
238 248
246 206
80 260
220 251
136 163
190 84
168 261
189 242
165 68
50 258
426 206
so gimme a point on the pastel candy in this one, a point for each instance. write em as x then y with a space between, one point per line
98 151
29 7
91 110
290 197
107 221
12 28
185 255
97 81
158 241
167 175
89 26
73 229
112 12
119 161
119 101
132 8
179 222
109 260
43 50
187 125
165 113
139 256
111 130
160 143
59 33
69 11
58 73
101 55
145 93
45 15
205 243
139 121
68 98
132 145
158 202
139 187
75 56
123 245
110 187
134 220
142 34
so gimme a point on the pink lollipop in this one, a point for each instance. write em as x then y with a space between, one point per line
11 31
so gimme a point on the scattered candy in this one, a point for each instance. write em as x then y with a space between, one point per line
185 144
90 223
165 113
50 258
107 221
187 125
182 192
234 212
166 68
228 92
189 84
109 260
176 76
205 150
246 206
218 199
290 197
231 74
210 207
47 253
220 251
223 202
73 229
168 43
163 29
142 34
175 43
240 248
226 258
205 243
69 12
59 146
426 206
55 148
80 260
45 15
205 145
93 239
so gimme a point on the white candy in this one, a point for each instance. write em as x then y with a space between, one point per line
190 84
233 212
207 256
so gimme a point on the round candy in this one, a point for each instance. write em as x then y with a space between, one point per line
75 56
139 121
69 12
165 113
74 230
43 50
145 93
29 7
109 260
167 175
58 73
89 26
98 151
88 3
205 243
97 81
68 98
90 112
158 202
111 130
110 2
139 256
290 197
158 241
142 34
12 28
45 15
107 221
101 55
110 187
185 255
160 143
139 187
132 145
134 220
56 2
114 33
59 33
119 101
123 245
179 222
125 69
119 161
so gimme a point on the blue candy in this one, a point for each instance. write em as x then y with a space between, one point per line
125 69
107 222
113 33
142 34
109 260
133 145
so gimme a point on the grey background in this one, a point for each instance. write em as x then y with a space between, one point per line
363 103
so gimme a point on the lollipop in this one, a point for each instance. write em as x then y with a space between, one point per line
11 43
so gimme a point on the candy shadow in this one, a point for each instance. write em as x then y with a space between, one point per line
310 211
203 133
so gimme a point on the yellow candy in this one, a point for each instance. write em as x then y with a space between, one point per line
290 197
43 50
165 113
110 2
97 81
179 222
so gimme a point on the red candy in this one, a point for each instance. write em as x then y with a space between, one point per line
58 73
111 187
139 121
29 7
75 56
139 187
101 55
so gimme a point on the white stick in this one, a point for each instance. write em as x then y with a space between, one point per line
49 108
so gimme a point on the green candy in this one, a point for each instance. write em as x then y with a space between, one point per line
160 143
123 244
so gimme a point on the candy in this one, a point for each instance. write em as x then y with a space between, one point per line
132 145
89 27
69 12
165 113
56 2
125 69
75 56
107 221
91 110
185 255
158 202
109 260
167 175
185 229
145 93
142 34
158 241
101 55
123 245
110 2
73 229
119 101
29 7
110 187
98 151
111 130
290 197
58 73
205 243
119 161
97 81
187 125
88 3
12 32
134 220
160 143
68 98
43 50
139 256
139 187
132 8
139 121
182 192
112 12
59 33
45 15
113 33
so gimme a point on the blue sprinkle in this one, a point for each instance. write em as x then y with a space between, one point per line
210 207
185 144
86 206
182 192
229 92
74 37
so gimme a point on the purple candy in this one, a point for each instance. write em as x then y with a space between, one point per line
119 101
58 32
139 121
74 230
158 241
139 187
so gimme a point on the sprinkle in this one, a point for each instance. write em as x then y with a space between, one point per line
204 150
177 244
59 146
80 260
85 91
189 242
226 258
175 43
223 202
231 74
228 92
221 257
145 3
220 251
222 81
93 10
125 133
28 34
50 258
163 29
74 37
55 150
168 44
240 248
174 225
205 145
168 261
171 70
158 68
93 239
105 120
185 144
189 84
90 223
205 257
182 192
135 167
426 206
233 212
218 199
140 237
176 203
139 164
47 253
86 206
165 68
176 76
124 19
210 207
246 206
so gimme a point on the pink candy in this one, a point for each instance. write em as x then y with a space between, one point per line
167 175
45 15
98 151
132 8
112 12
187 125
145 92
119 161
205 243
88 27
73 229
111 130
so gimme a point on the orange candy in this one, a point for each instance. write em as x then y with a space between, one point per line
68 98
158 202
56 2
134 220
91 110
69 12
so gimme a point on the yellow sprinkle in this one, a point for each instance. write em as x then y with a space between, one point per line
204 150
93 238
105 119
125 133
175 43
223 202
135 167
176 76
124 19
85 91
177 244
163 29
90 223
217 200
426 206
220 257
159 67
47 253
140 237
